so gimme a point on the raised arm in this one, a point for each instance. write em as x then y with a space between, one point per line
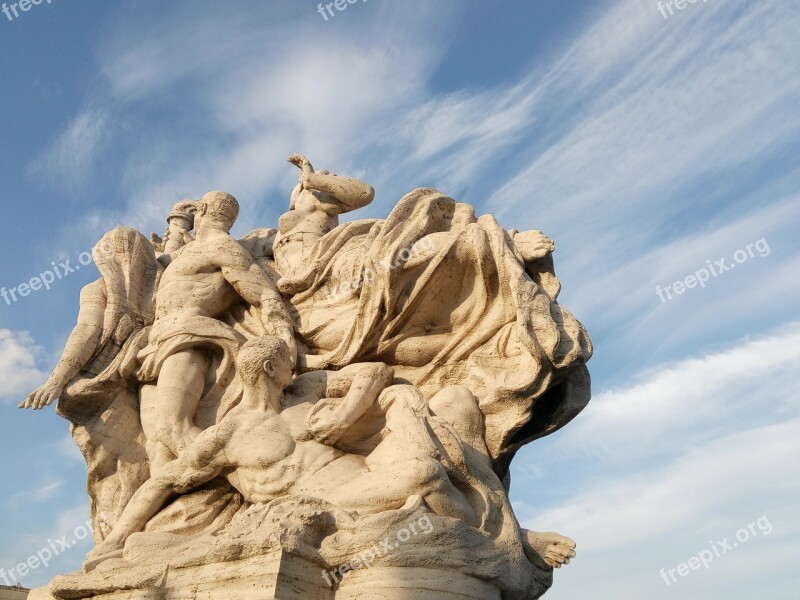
253 285
350 393
79 349
348 193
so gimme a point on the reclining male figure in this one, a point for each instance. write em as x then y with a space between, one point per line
268 446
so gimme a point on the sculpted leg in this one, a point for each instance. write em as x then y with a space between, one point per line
459 407
408 458
146 502
157 453
405 433
180 388
203 460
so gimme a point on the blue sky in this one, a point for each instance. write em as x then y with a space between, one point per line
644 145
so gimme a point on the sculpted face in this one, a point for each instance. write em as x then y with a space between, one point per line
178 223
267 355
279 370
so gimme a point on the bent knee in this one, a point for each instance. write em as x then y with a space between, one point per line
457 404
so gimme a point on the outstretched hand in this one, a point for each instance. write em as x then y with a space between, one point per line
43 396
302 163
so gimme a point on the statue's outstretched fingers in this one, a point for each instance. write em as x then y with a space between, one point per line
36 397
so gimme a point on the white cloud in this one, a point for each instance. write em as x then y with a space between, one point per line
691 451
623 299
42 493
352 95
738 474
659 113
18 372
71 156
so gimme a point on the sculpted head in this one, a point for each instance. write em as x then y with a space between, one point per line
182 215
268 356
219 208
300 189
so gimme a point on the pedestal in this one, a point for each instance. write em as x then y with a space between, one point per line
274 576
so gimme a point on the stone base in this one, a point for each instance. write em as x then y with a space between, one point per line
274 576
277 575
396 583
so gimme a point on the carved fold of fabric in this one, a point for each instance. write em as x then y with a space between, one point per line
369 294
219 339
99 403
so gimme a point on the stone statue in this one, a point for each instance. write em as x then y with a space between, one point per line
180 223
316 203
199 286
295 462
277 405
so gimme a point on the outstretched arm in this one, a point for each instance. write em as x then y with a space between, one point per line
253 285
349 194
201 462
79 349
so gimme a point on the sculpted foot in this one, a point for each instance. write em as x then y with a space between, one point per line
533 245
553 549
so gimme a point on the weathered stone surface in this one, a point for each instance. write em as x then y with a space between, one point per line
319 410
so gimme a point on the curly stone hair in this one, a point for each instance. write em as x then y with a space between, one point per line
254 353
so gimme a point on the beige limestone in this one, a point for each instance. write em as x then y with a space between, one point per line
318 410
12 593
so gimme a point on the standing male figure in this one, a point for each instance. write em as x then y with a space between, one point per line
204 281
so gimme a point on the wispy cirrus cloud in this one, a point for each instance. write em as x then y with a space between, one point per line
656 110
42 493
245 106
685 452
71 157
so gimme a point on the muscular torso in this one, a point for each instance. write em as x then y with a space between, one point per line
315 213
193 284
313 216
284 461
